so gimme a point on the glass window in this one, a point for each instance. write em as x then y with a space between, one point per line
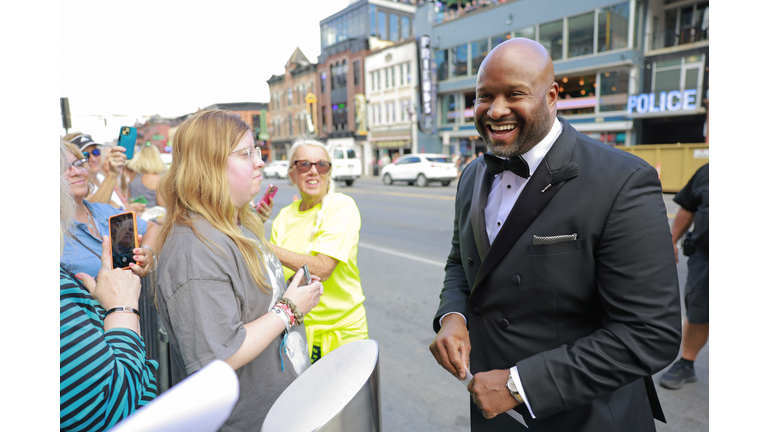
386 78
581 35
441 63
378 79
614 91
372 20
577 94
551 36
667 80
691 78
382 32
357 72
638 23
613 27
290 96
479 51
527 32
459 61
392 75
448 109
667 63
496 40
338 153
469 107
405 27
322 82
351 154
408 71
402 75
394 31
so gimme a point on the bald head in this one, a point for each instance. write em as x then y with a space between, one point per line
516 97
527 57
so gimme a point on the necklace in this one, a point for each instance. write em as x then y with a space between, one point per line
91 224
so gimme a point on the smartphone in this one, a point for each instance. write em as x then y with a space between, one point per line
270 193
127 140
306 279
124 236
139 199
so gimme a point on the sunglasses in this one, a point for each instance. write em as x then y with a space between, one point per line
80 164
95 152
304 166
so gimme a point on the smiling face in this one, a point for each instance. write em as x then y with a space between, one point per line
77 178
312 185
243 174
516 97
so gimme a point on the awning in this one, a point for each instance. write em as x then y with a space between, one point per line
394 144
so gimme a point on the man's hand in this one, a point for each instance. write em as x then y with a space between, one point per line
490 393
451 346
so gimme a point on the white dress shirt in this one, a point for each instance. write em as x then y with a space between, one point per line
505 190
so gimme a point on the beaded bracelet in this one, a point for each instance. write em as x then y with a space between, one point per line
283 316
299 316
123 309
289 312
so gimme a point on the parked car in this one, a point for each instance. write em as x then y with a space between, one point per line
277 169
421 169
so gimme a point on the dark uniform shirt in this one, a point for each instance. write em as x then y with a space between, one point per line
694 197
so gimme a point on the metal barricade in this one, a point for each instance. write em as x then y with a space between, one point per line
340 392
154 334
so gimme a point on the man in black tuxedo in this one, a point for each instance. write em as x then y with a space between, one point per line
560 291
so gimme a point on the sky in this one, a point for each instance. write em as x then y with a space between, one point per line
131 59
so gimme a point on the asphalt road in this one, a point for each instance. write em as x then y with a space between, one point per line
404 240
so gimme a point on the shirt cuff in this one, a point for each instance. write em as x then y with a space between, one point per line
441 318
519 385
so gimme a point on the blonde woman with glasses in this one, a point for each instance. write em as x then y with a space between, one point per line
220 289
322 230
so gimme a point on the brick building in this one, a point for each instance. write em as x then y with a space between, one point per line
291 116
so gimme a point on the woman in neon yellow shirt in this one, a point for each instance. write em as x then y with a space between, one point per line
321 230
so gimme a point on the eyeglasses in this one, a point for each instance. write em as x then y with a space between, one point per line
253 152
95 152
304 166
80 164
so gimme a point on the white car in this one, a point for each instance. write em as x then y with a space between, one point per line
421 169
277 169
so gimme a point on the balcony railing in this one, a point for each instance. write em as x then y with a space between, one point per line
686 35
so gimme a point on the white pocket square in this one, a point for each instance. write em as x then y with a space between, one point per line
553 239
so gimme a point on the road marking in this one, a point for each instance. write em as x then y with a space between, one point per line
400 194
400 254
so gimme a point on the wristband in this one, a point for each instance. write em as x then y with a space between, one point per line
288 312
283 316
123 309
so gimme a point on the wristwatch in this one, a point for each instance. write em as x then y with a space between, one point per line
513 388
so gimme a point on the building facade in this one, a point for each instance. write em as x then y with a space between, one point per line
347 38
291 116
391 89
607 55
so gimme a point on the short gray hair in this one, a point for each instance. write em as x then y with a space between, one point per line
67 206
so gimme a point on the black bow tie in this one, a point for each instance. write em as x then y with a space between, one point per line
516 164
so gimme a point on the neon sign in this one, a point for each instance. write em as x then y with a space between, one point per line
672 101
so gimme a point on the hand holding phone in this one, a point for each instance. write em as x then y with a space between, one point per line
123 235
306 278
127 140
269 194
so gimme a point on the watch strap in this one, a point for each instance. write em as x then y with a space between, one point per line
512 387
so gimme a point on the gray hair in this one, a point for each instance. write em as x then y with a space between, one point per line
67 206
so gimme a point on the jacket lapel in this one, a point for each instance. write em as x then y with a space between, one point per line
483 179
530 203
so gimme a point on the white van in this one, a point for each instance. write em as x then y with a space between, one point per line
346 162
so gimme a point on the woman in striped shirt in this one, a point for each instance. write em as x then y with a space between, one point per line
104 372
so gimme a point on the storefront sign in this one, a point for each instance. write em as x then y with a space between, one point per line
427 89
672 101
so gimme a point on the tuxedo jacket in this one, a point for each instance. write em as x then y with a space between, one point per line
588 321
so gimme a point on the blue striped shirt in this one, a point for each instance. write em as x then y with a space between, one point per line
104 376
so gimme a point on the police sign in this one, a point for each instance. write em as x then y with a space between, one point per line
427 89
672 101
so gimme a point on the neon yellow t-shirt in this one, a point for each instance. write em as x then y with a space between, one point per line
342 299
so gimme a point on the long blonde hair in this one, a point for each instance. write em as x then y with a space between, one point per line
197 183
147 161
292 157
67 206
